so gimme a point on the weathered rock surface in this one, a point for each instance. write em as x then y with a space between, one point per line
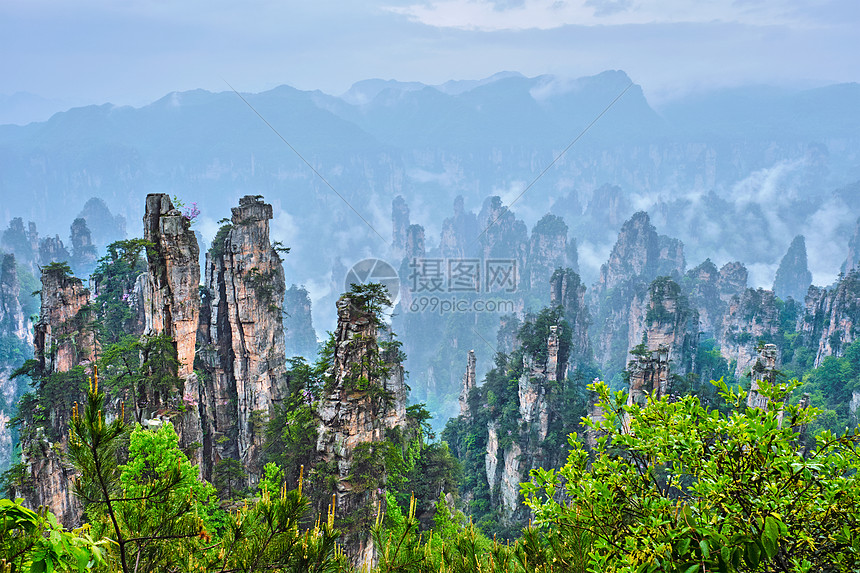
752 316
399 224
459 233
469 383
52 250
831 317
64 338
649 376
509 466
84 253
793 277
669 325
733 280
568 292
18 342
503 236
23 243
853 260
350 415
171 307
548 251
243 337
764 369
620 295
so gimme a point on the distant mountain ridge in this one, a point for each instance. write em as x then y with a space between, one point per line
430 144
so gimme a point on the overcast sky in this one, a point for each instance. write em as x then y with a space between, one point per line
132 52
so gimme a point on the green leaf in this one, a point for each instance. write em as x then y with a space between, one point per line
703 545
771 534
752 554
692 568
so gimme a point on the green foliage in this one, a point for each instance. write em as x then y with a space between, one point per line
674 486
229 478
60 268
216 251
371 299
34 541
115 278
291 432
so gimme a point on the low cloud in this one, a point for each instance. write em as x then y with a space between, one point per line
490 15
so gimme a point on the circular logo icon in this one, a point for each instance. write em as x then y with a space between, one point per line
374 271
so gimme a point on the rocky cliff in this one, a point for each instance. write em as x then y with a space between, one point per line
831 317
793 277
568 292
64 338
22 242
84 254
620 295
459 233
399 224
751 317
669 325
502 235
52 250
548 250
363 399
853 259
469 383
243 337
648 373
172 306
65 335
512 452
16 344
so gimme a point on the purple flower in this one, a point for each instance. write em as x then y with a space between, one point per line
191 213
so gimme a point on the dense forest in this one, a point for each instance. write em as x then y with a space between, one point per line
664 419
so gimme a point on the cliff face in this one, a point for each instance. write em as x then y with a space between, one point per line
363 399
399 224
52 250
509 459
669 325
64 338
649 376
17 345
853 259
243 337
459 232
171 303
469 382
567 291
22 242
752 316
831 317
702 287
84 253
620 295
793 277
502 234
548 250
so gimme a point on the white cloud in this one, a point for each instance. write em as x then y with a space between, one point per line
489 15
